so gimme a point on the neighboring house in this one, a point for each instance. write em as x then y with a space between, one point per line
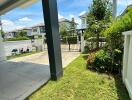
67 24
38 29
10 34
84 23
13 33
28 31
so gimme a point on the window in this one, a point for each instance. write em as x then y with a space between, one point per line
42 29
34 29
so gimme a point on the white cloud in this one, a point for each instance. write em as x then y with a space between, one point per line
60 16
25 19
9 25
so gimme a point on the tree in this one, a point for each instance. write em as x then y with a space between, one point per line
63 30
2 33
21 33
98 18
73 27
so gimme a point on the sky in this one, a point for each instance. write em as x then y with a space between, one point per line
32 15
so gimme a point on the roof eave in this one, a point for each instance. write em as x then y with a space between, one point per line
11 5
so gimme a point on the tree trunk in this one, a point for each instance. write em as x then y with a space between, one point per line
97 41
69 47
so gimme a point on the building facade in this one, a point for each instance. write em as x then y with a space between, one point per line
35 30
84 23
38 29
68 25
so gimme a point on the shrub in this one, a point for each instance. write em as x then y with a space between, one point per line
86 49
91 58
17 39
70 40
64 40
115 42
118 57
114 32
101 61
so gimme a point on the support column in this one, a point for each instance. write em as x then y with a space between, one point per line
53 38
82 41
2 51
114 8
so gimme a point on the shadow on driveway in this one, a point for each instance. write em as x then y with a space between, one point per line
20 79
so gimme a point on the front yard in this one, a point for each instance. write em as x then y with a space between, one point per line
78 83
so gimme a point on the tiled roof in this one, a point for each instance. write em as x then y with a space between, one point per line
64 20
40 24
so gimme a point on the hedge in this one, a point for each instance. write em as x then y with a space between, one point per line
17 39
70 40
121 24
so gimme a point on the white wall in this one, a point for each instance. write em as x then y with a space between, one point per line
127 62
10 45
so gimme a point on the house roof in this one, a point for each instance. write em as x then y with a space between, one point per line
129 6
28 28
38 25
65 20
83 15
7 5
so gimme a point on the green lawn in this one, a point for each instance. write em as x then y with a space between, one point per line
78 83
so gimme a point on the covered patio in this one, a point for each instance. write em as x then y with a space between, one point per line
19 79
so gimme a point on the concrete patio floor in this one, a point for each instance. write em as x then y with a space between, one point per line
18 79
22 76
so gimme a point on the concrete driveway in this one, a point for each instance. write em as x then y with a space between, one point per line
22 76
42 58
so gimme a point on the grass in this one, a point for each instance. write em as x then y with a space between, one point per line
22 55
78 83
